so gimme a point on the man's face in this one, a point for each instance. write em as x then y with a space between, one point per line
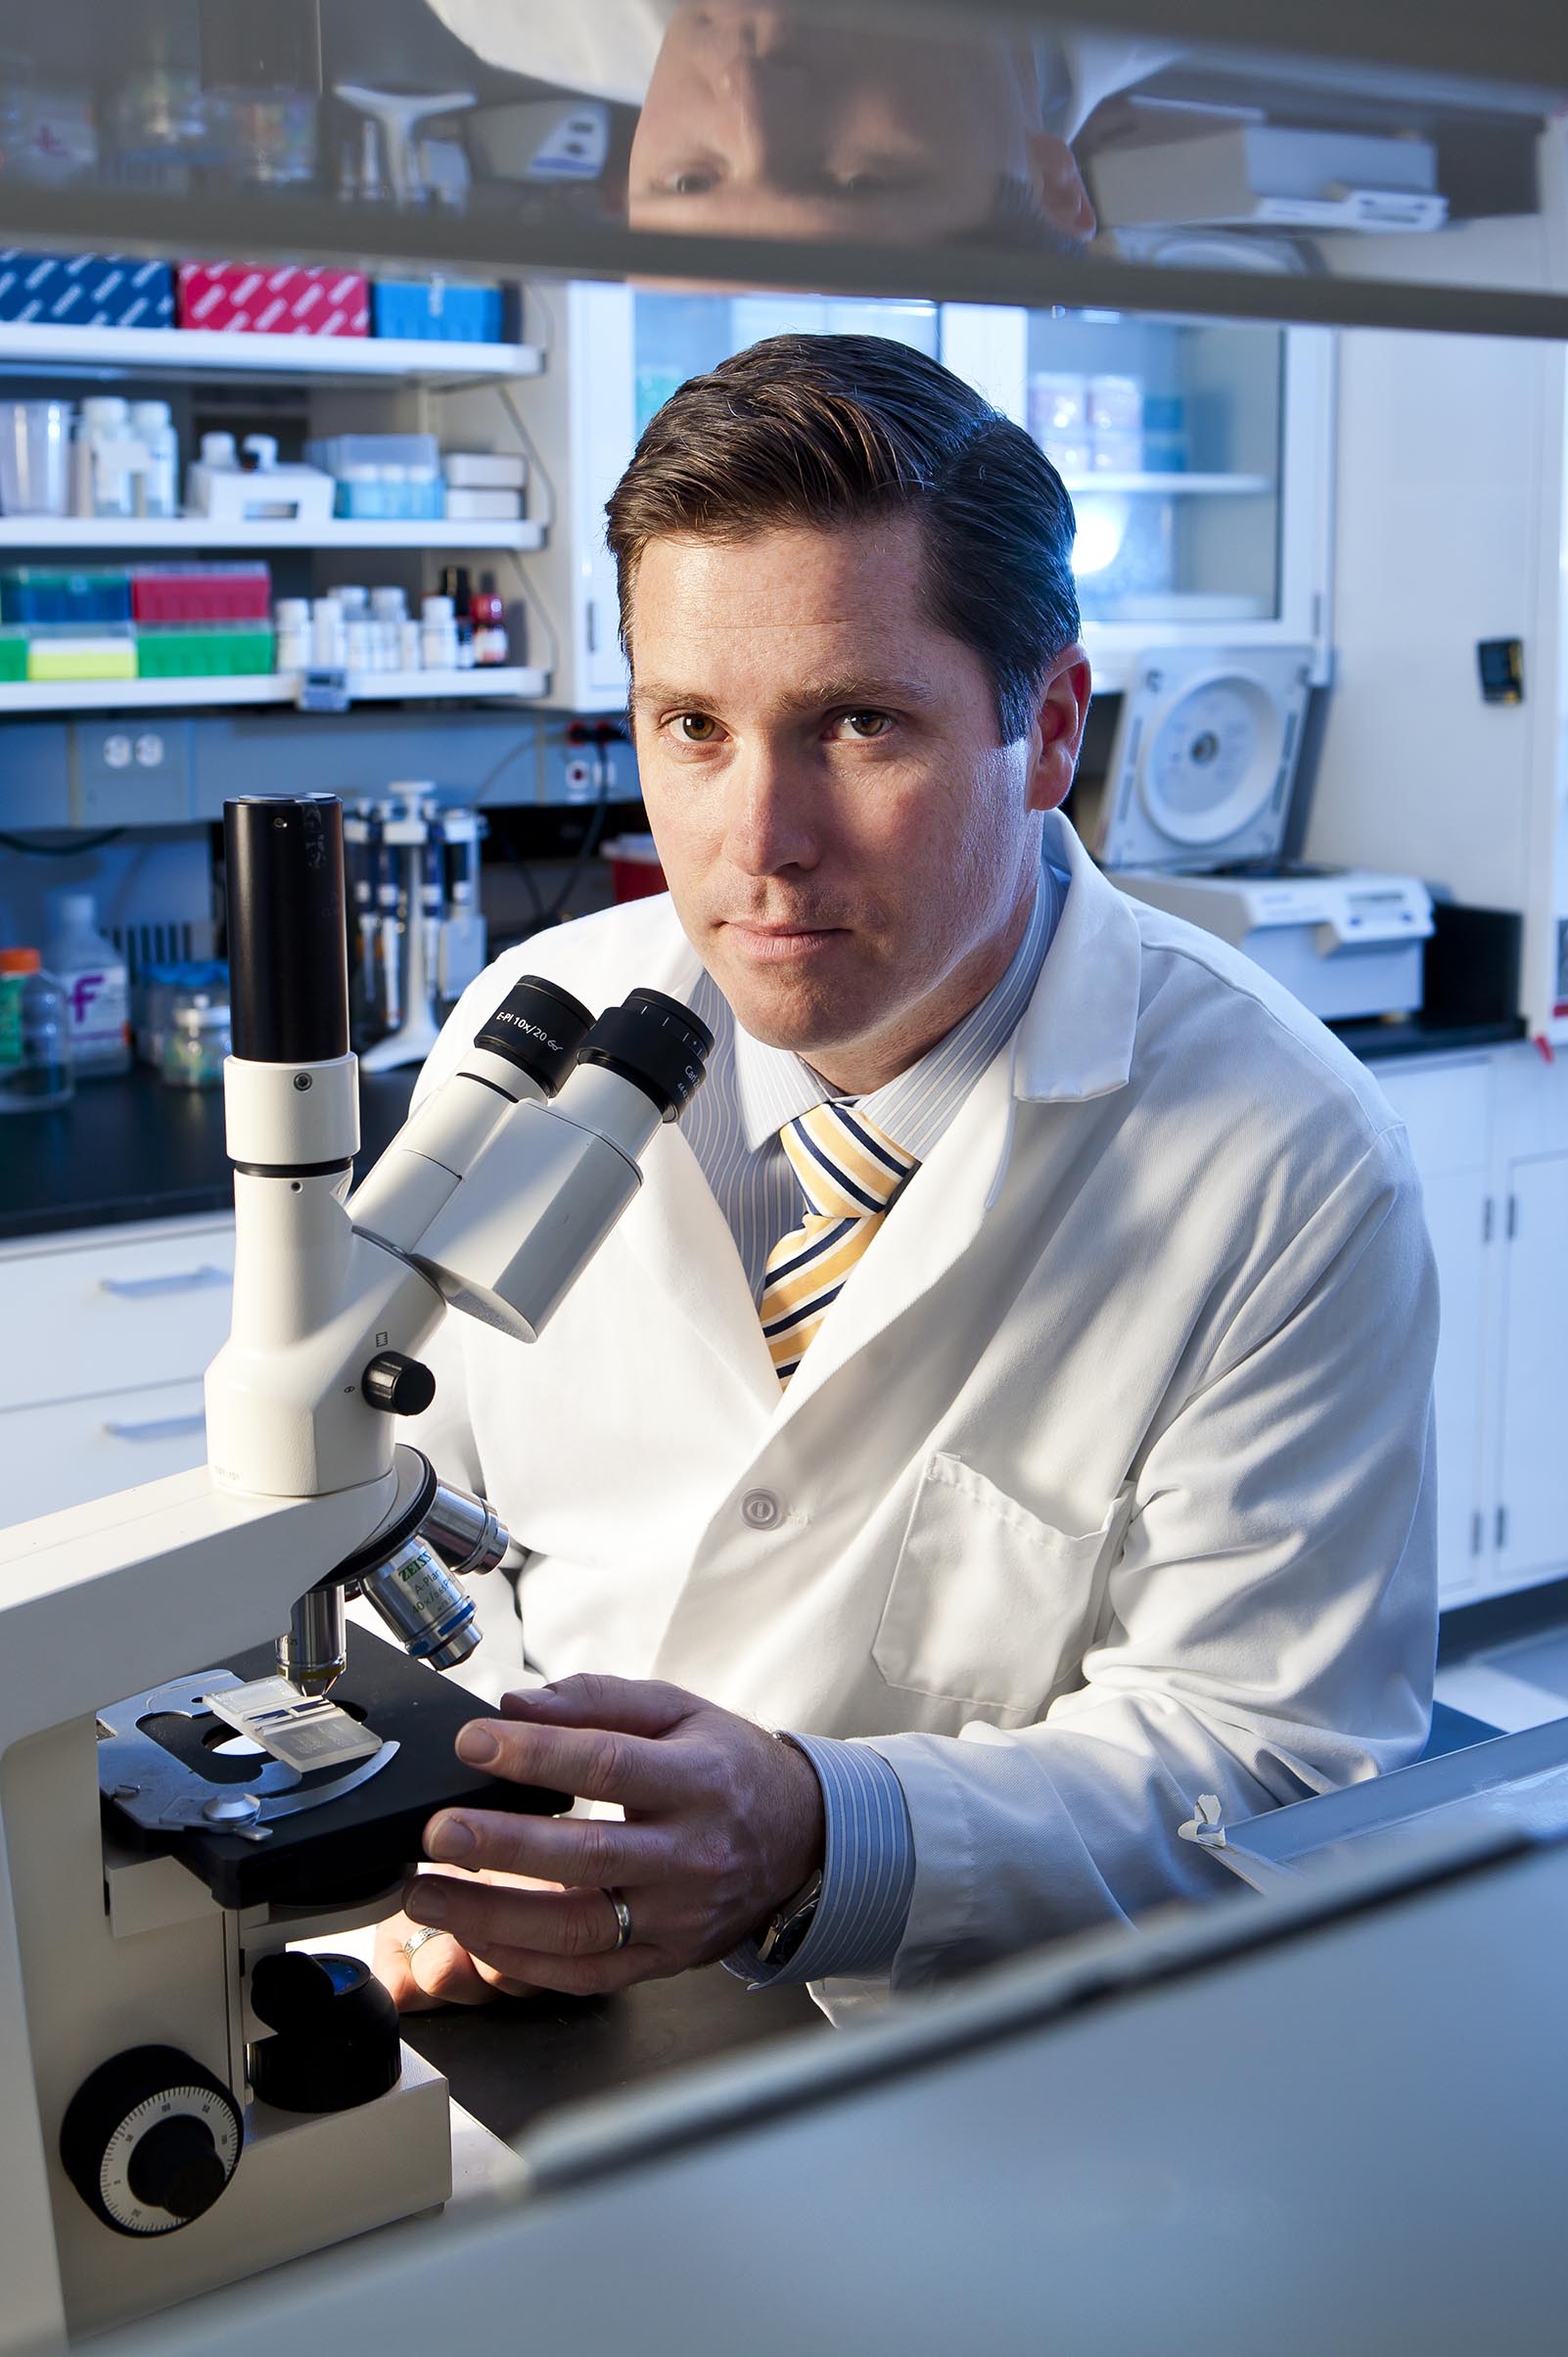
847 844
771 122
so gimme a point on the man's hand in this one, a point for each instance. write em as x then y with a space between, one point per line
441 1971
723 1823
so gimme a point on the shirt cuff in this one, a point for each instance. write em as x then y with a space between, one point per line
869 1870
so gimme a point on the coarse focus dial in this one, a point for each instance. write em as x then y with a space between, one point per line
150 2140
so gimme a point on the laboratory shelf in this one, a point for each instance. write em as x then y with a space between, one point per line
1207 486
104 351
506 682
106 536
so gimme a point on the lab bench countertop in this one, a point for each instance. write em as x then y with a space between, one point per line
131 1148
513 2061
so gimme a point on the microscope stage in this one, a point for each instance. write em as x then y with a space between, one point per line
357 1844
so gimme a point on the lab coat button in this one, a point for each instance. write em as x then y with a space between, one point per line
762 1509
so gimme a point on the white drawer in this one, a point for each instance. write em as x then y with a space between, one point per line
1445 1110
74 1450
114 1313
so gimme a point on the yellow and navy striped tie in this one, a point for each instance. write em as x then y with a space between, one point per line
850 1172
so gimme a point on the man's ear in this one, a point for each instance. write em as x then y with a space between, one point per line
1059 188
1058 730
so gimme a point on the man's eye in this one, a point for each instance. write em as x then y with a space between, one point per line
694 183
697 727
867 724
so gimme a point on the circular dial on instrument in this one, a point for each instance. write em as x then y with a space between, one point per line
151 2140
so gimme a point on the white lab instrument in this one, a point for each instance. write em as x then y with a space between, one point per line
1270 176
1332 2117
217 485
1193 818
542 140
151 2025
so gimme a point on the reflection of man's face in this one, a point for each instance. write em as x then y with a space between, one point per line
759 121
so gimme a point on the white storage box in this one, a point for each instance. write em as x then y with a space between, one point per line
485 470
483 507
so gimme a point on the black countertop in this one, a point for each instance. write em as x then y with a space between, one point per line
509 2062
133 1149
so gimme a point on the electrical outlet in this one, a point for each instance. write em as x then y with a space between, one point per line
124 778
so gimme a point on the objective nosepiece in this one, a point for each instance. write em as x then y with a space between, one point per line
288 944
423 1605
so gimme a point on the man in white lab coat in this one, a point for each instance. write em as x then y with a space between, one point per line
1013 1382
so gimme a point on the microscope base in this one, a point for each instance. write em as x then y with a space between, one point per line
304 2182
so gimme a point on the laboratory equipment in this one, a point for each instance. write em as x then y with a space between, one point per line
163 1844
198 1043
420 938
393 477
93 975
36 1071
1193 817
542 140
258 492
1351 2095
1271 175
397 115
35 458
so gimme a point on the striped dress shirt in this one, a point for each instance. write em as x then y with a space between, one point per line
732 1127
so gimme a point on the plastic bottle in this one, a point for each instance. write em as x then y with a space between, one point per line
91 972
108 487
36 1071
151 424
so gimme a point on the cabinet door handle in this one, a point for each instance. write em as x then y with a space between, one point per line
179 1280
161 1428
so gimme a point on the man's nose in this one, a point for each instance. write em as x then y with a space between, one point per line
735 30
771 120
768 827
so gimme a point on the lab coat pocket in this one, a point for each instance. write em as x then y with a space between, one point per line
989 1604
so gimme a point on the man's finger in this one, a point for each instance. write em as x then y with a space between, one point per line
495 1924
634 1706
581 1851
449 1975
597 1763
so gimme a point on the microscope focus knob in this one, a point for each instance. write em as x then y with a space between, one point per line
396 1385
150 2140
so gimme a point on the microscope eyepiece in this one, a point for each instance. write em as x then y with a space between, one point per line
538 1027
288 944
657 1045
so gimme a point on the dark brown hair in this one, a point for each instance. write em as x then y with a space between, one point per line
833 429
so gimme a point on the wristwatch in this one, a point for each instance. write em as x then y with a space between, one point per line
785 1934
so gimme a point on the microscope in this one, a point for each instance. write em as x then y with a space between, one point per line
200 1760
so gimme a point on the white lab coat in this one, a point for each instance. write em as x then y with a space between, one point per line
1107 1481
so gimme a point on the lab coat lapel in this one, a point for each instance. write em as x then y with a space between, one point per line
680 1234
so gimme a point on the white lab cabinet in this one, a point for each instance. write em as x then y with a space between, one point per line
1212 528
1489 1134
1531 1536
1445 1106
111 1330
